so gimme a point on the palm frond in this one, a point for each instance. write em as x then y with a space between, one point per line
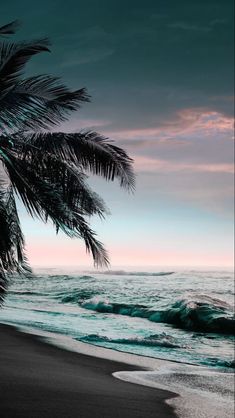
71 182
10 28
13 57
38 102
12 253
68 179
3 284
89 150
44 199
48 89
48 171
19 112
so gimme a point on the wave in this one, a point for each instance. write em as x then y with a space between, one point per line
154 340
134 273
105 306
203 314
25 292
66 276
230 364
76 296
220 363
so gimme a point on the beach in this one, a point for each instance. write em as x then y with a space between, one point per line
41 380
118 345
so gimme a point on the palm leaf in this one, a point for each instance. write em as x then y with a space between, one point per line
13 58
47 170
89 150
3 284
10 28
45 200
48 89
69 180
38 102
12 253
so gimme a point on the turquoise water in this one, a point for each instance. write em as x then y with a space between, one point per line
185 316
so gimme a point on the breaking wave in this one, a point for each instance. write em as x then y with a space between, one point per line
220 362
150 341
76 296
203 314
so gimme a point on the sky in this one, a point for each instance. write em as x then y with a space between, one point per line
160 74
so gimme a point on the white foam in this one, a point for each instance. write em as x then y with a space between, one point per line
202 393
68 343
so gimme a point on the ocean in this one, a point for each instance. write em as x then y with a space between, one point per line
185 317
182 316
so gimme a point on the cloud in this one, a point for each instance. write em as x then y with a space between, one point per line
87 56
140 70
192 121
79 123
144 164
186 26
218 21
189 27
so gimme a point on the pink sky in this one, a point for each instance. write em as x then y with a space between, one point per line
180 214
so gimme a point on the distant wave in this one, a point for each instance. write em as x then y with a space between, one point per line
150 341
76 296
204 314
68 277
25 292
134 273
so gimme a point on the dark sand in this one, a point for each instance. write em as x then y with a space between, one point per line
40 380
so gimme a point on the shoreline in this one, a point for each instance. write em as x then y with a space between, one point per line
41 380
189 390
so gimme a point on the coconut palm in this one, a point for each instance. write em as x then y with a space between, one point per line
47 170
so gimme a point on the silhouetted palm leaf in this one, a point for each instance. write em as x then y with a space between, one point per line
3 285
47 170
38 102
64 175
12 256
90 151
13 58
45 200
10 28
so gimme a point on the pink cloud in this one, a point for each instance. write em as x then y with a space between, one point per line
158 165
186 122
208 122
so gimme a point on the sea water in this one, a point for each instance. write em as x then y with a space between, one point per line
184 316
180 324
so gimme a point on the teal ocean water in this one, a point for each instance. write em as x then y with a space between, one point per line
184 316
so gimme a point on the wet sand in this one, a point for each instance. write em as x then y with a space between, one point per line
41 380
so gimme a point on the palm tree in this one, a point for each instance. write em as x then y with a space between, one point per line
47 170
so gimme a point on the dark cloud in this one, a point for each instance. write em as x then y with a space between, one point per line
141 61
